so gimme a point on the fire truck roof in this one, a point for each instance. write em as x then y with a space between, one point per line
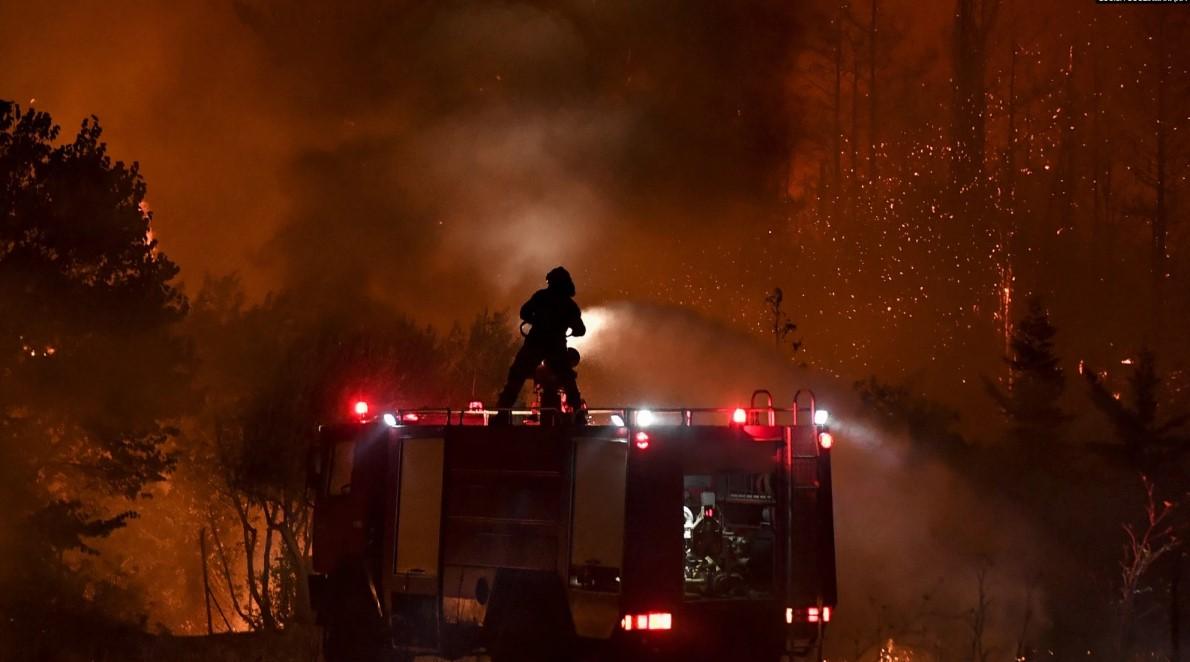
636 417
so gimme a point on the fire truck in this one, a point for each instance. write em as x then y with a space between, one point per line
647 534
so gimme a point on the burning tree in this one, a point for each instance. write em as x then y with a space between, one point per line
92 369
1149 444
1158 535
272 374
781 325
1036 380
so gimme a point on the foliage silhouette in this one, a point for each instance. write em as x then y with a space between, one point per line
91 370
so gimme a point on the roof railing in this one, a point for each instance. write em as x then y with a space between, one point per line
612 416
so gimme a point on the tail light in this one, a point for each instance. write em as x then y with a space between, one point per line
808 615
739 416
657 620
360 408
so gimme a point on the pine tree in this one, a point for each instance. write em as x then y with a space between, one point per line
1031 403
92 375
1134 420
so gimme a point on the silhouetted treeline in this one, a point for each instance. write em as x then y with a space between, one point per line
115 390
1110 508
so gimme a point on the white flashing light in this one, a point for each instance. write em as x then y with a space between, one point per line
821 417
645 418
390 420
617 420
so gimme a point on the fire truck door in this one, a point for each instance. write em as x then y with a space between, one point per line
597 534
419 516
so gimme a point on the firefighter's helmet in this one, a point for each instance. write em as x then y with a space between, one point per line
559 278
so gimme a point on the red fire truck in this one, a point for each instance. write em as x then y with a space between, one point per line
692 534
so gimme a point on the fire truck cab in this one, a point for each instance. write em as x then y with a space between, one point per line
693 534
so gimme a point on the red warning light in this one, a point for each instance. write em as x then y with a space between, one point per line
808 615
825 439
642 440
661 621
361 408
651 621
739 416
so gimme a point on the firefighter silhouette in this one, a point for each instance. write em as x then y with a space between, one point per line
551 312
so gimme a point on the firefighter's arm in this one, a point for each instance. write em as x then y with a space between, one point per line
577 328
529 310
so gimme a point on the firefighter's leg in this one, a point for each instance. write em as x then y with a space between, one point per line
522 368
559 363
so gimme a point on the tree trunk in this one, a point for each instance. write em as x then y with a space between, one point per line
837 129
303 612
973 23
1010 165
1062 186
1127 636
873 134
266 572
1098 252
1160 211
1175 616
855 169
853 176
250 540
225 566
206 578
